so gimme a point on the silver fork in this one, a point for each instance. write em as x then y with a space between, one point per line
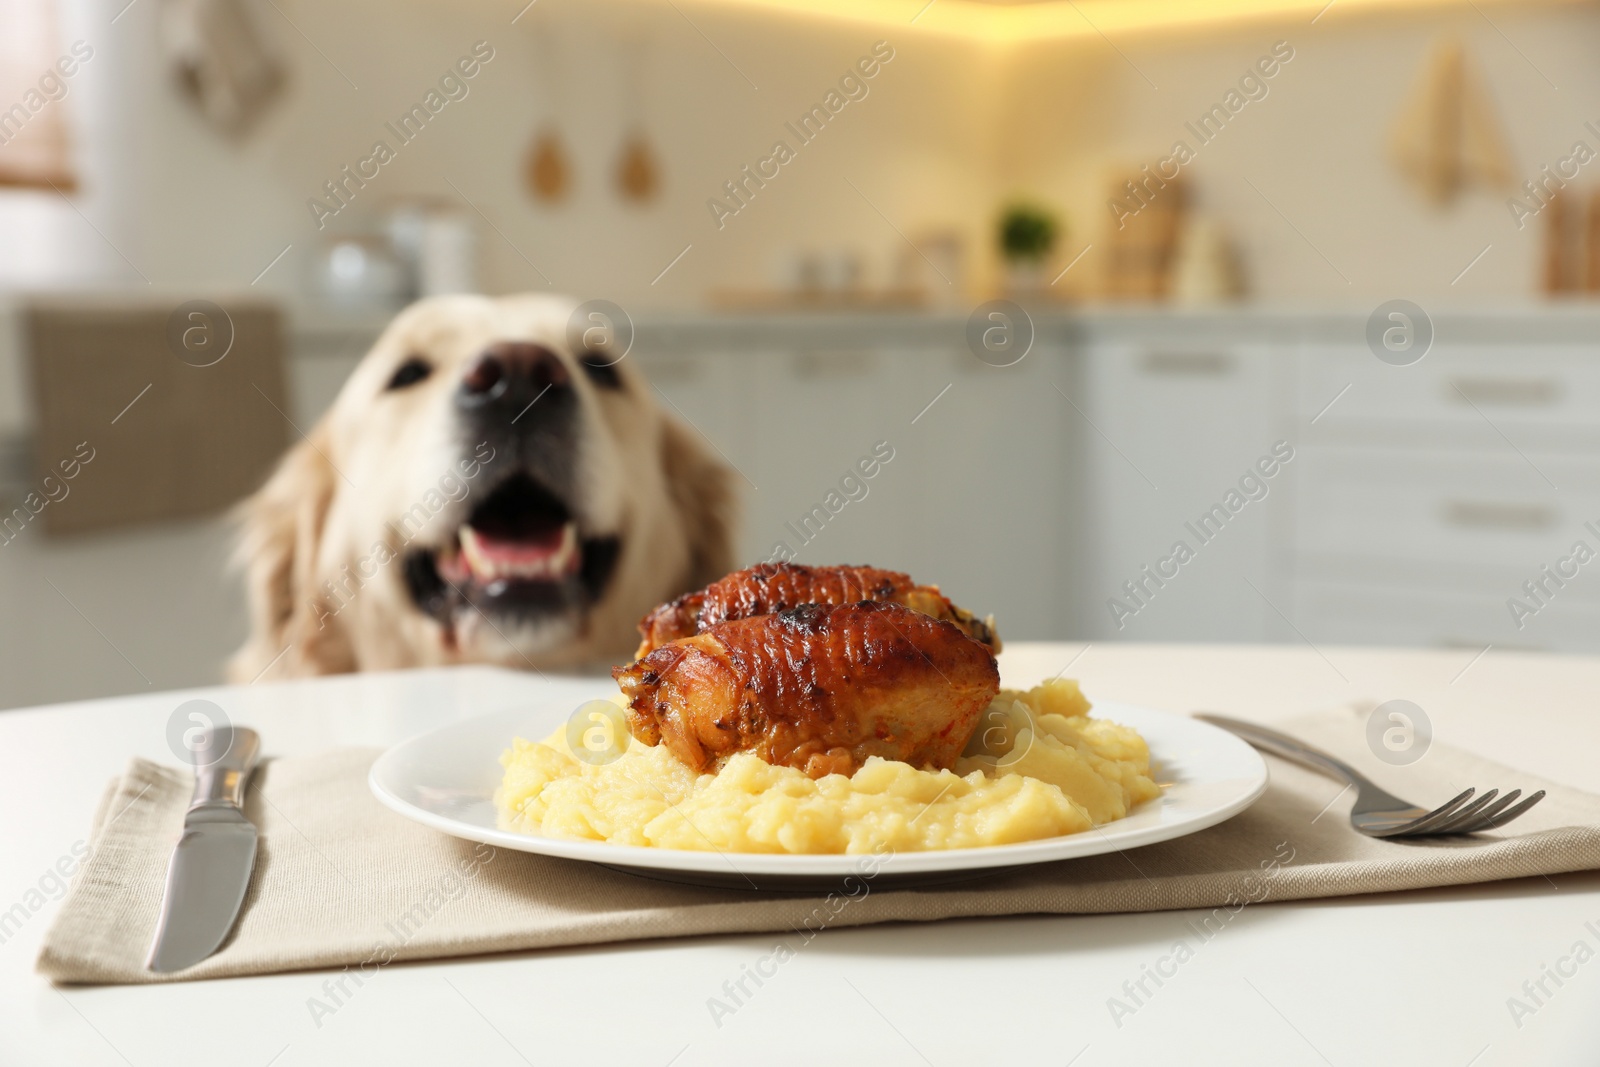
1378 813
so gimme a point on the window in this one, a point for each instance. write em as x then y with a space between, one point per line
34 75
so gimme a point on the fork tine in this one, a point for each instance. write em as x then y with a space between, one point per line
1487 815
1465 815
1501 820
1424 824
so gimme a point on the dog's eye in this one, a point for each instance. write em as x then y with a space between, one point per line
411 372
601 369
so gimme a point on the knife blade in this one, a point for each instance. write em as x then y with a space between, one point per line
211 865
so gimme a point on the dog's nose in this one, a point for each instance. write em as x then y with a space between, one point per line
513 371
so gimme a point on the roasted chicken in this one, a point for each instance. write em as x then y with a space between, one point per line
818 687
771 587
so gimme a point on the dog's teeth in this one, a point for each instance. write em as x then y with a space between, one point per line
486 568
567 552
473 552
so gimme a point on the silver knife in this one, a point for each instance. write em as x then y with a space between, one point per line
211 866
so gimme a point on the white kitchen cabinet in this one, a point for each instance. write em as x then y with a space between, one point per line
1417 502
1438 616
322 353
974 497
829 410
1535 394
991 470
1470 518
1176 425
1430 493
707 391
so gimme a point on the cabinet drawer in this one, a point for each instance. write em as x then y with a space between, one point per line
1529 392
1486 510
1353 614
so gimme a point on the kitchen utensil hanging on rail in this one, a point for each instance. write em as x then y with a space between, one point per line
638 174
547 170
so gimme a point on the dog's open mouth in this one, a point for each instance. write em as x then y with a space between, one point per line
521 532
520 552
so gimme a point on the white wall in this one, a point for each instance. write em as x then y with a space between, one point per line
1317 145
208 213
948 131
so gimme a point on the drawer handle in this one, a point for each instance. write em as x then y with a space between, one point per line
1507 392
1473 644
671 370
1494 515
833 364
1188 364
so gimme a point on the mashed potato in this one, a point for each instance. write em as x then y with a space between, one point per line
1037 766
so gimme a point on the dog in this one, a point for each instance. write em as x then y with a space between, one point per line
483 490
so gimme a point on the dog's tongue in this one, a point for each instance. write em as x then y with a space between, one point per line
547 553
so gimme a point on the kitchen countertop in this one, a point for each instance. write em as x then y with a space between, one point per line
1417 978
316 333
1563 322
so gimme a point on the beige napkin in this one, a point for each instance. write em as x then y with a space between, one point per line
341 881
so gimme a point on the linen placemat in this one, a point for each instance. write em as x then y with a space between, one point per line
342 881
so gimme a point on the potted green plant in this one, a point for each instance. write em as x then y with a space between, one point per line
1027 234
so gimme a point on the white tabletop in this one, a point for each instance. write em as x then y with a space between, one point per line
1415 978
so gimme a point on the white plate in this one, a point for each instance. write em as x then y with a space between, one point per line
446 779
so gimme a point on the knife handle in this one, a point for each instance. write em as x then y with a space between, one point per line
223 761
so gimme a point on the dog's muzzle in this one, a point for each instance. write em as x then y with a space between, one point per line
520 550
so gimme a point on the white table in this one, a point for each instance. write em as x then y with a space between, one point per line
1414 978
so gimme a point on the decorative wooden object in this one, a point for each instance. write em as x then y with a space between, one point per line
1564 245
1142 241
1591 245
1448 137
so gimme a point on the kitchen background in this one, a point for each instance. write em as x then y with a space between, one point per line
1431 463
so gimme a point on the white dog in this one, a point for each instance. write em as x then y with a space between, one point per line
479 492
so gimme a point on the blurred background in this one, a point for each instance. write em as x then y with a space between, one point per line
1241 320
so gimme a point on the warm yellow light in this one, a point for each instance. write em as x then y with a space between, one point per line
1002 23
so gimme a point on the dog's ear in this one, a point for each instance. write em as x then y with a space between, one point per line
702 491
280 531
